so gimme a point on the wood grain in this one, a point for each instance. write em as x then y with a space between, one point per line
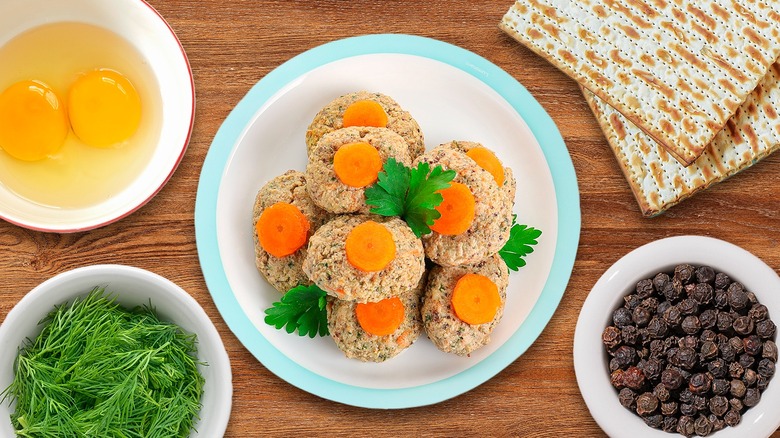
231 45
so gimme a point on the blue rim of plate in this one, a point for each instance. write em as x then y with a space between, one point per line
542 127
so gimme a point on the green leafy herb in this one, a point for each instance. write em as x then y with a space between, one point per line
98 369
411 194
521 238
302 308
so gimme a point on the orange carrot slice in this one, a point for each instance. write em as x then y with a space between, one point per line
487 160
370 247
357 164
457 210
382 317
365 113
282 229
475 299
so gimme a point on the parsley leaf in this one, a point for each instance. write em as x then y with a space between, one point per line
409 193
302 308
388 194
521 238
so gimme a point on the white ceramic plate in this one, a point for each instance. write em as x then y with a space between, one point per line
132 287
141 25
590 360
453 94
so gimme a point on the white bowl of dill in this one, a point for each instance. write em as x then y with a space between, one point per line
112 350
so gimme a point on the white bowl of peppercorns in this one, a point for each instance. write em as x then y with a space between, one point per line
679 337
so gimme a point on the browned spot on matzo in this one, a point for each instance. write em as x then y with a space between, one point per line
701 16
720 12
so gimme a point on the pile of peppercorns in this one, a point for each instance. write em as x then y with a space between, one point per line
690 352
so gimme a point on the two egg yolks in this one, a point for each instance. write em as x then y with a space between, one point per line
103 109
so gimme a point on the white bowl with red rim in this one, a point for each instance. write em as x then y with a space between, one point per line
142 26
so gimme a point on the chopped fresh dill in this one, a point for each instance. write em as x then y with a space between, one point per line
98 369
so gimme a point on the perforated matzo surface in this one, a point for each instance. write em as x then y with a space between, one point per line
659 181
678 69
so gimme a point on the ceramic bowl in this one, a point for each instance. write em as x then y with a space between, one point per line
591 361
139 24
131 287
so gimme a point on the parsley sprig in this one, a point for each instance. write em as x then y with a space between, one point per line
411 194
302 308
521 240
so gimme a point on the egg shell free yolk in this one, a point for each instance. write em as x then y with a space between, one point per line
104 108
33 122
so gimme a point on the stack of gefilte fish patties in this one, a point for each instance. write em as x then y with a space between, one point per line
686 92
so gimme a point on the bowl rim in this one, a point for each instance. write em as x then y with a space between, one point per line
134 205
207 332
614 284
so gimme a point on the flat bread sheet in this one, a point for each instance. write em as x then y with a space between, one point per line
659 181
677 69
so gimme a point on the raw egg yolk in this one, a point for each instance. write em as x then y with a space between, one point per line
33 123
104 108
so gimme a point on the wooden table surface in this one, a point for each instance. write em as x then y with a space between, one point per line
231 45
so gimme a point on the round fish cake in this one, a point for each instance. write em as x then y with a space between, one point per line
330 118
357 343
327 266
284 273
489 230
448 332
509 185
325 187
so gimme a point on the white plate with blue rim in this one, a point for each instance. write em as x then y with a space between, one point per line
454 95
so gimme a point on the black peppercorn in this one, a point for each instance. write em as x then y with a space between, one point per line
672 291
700 383
737 388
736 404
652 368
660 280
669 424
656 328
691 325
758 312
762 382
702 426
738 298
688 409
689 341
720 299
766 328
627 398
752 345
621 317
708 319
684 273
708 351
722 281
737 344
631 301
611 337
743 325
671 378
749 377
629 335
708 335
685 425
641 316
732 417
685 358
766 368
718 367
646 404
672 316
746 360
705 274
724 322
685 396
717 423
719 405
654 421
633 378
703 293
769 351
736 370
752 397
669 408
626 355
644 288
688 306
720 386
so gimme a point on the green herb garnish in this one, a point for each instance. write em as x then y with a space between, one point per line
98 369
411 194
521 238
302 308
